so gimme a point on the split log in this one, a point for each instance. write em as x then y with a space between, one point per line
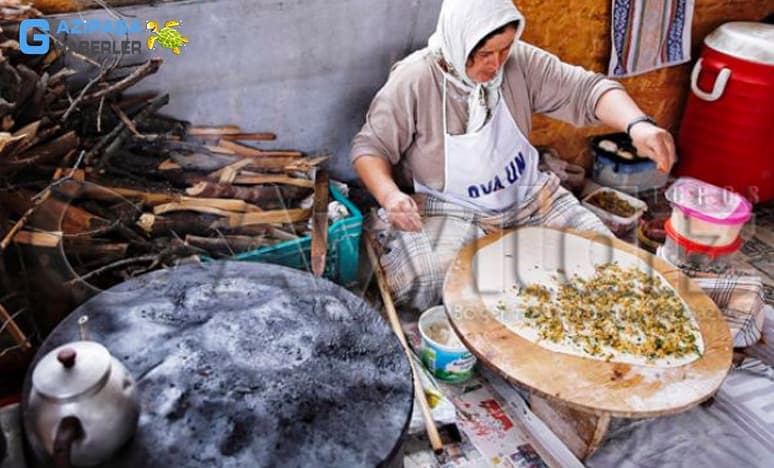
216 131
181 223
250 152
227 245
50 212
95 191
47 239
43 154
258 179
148 68
86 249
202 161
257 136
216 206
268 217
251 194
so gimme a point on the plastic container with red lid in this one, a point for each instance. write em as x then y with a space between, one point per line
685 253
707 214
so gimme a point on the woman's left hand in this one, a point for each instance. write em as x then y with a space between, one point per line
656 143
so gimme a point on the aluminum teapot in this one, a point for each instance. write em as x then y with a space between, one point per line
82 405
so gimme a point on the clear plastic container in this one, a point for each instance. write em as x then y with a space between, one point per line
620 225
707 214
684 253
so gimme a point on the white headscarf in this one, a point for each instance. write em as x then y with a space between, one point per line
461 25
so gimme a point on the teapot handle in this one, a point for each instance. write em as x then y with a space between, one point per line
69 429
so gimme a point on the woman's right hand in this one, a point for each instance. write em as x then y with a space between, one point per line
402 211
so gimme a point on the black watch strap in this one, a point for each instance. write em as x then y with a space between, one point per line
642 118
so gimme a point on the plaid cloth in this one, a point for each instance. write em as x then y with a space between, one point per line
415 263
740 298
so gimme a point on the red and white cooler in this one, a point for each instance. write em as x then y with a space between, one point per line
727 133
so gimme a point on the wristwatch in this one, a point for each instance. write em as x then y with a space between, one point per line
642 118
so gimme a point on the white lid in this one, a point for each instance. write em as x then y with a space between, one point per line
745 40
71 369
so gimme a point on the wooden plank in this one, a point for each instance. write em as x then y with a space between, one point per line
581 383
392 317
581 432
257 136
38 238
214 131
320 223
269 217
248 179
250 152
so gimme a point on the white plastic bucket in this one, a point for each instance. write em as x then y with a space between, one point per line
447 359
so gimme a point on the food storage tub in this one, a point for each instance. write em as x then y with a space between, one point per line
617 165
707 214
442 352
684 253
620 225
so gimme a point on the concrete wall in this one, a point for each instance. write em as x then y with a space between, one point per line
307 69
304 69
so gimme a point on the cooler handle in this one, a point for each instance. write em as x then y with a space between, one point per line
717 89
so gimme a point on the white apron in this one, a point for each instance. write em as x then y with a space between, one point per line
491 169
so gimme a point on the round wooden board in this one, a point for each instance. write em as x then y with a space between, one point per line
586 384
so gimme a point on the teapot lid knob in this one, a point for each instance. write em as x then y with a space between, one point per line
67 357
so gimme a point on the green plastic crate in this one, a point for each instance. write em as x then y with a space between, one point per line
341 261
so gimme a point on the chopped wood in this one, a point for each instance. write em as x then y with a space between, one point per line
258 194
269 217
38 238
305 165
51 212
148 68
95 191
259 179
203 162
220 150
257 136
169 165
86 249
227 245
216 206
44 153
250 152
221 130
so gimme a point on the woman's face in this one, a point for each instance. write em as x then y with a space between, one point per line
483 64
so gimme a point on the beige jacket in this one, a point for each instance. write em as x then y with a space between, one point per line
404 123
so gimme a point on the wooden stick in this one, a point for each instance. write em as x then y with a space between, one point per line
392 315
250 152
38 238
16 333
269 217
214 131
320 223
257 136
147 68
216 206
258 194
257 179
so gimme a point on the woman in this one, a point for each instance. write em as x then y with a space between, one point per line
453 118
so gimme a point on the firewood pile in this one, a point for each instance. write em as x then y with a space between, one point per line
98 174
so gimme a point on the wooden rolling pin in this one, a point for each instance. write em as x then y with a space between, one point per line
392 316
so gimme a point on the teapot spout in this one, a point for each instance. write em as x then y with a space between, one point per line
68 431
